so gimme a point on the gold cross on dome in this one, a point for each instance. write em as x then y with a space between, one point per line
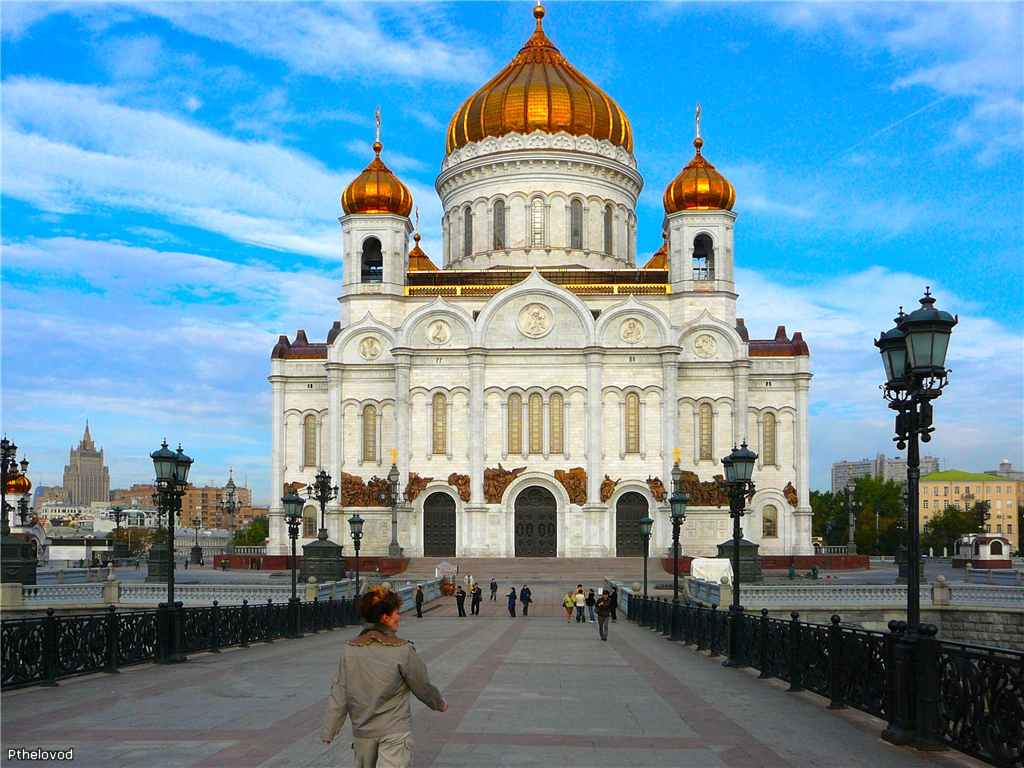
377 116
394 456
676 452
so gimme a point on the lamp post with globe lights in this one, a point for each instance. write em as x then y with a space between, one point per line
171 468
739 467
293 517
646 523
18 562
355 524
323 558
229 504
914 357
677 502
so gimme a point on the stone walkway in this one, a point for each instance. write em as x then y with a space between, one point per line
533 691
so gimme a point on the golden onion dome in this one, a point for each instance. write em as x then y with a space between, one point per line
418 259
699 187
377 190
539 91
19 484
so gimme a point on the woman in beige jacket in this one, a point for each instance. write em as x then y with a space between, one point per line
375 677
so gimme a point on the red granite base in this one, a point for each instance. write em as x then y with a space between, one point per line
824 562
387 566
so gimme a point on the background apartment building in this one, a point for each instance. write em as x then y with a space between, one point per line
887 469
962 490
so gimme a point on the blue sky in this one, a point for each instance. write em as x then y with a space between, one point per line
172 173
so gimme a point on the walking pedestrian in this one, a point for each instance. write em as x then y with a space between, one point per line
569 602
591 601
419 602
525 597
476 597
604 613
581 603
615 603
512 602
460 600
494 589
375 677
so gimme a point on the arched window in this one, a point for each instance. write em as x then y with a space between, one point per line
467 240
996 548
703 258
309 441
768 440
608 216
515 424
373 261
440 427
499 224
536 412
537 223
705 420
369 433
770 526
557 417
632 423
309 522
576 224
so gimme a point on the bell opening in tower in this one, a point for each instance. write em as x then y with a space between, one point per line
372 261
703 258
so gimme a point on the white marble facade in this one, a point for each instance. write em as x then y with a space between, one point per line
676 351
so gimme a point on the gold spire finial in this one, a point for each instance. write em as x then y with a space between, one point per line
377 146
697 118
538 13
698 142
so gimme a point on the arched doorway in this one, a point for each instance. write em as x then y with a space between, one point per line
439 525
536 523
630 508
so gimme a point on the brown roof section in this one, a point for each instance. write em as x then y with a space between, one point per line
300 349
780 346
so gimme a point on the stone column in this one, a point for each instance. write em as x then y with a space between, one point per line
669 412
477 428
403 416
335 449
801 442
595 427
741 388
278 533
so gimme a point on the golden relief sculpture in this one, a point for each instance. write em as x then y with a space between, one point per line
497 480
416 485
707 494
356 493
575 483
461 484
657 488
608 487
790 493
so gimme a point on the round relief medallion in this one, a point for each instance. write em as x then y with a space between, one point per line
535 320
438 332
631 330
369 348
705 345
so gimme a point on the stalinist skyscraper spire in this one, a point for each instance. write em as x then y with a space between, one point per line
85 477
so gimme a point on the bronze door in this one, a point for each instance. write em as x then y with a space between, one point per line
536 523
628 511
439 526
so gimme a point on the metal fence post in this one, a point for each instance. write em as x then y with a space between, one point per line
701 634
270 623
50 650
111 641
795 657
903 720
245 625
889 653
163 633
677 622
713 643
215 621
763 640
835 663
927 689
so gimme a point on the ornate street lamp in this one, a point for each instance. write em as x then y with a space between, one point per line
914 357
19 564
322 491
646 523
228 506
851 489
394 478
677 502
739 468
322 558
197 551
355 524
171 470
293 517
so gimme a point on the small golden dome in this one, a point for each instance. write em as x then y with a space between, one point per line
539 91
19 484
377 190
699 187
418 259
660 258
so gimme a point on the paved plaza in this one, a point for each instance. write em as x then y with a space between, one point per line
534 691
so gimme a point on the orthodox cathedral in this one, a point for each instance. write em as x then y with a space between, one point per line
532 385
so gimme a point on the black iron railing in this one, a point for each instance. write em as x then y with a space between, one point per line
966 697
41 650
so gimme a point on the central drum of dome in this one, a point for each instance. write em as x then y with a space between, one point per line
539 91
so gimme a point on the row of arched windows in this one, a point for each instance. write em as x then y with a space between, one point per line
537 219
533 435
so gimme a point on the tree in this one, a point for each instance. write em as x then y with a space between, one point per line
829 517
949 525
256 532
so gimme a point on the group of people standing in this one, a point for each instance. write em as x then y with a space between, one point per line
603 608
